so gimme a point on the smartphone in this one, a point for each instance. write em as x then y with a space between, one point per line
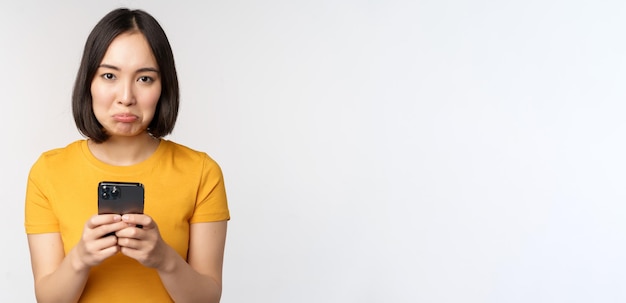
120 198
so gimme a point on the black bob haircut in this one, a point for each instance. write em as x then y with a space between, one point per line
117 22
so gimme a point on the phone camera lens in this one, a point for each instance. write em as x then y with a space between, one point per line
115 192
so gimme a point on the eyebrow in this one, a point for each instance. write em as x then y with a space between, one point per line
143 69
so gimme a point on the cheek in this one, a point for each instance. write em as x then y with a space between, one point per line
97 100
99 95
154 97
151 100
156 93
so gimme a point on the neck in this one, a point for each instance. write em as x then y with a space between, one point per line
124 151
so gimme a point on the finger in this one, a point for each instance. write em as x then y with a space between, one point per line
131 232
105 253
109 251
108 229
139 219
143 252
132 253
102 244
98 220
129 243
100 248
96 251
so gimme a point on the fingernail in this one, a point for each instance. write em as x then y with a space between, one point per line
125 217
117 218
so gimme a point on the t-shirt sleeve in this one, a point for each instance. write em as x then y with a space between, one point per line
38 213
211 203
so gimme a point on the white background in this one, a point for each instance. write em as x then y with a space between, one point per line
374 151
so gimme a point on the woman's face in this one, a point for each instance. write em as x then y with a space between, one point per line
126 87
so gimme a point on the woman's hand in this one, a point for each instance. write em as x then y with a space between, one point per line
142 244
94 247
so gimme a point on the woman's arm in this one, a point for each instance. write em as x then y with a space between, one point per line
60 278
199 279
50 267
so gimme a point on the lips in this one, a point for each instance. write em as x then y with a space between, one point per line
125 118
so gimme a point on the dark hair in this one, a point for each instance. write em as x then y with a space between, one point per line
116 22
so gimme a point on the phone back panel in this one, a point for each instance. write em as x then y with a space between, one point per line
120 198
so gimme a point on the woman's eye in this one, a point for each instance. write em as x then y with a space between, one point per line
108 76
145 79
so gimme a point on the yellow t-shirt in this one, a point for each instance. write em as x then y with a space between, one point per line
182 187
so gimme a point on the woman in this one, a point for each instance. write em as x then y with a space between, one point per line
125 100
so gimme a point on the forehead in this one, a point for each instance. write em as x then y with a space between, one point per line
130 49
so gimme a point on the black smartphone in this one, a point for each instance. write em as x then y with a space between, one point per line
120 198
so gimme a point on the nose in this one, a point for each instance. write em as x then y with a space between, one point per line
126 94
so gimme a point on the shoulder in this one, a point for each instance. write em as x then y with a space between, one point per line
183 152
61 154
190 161
56 159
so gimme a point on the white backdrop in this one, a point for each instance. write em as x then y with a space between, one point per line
374 151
